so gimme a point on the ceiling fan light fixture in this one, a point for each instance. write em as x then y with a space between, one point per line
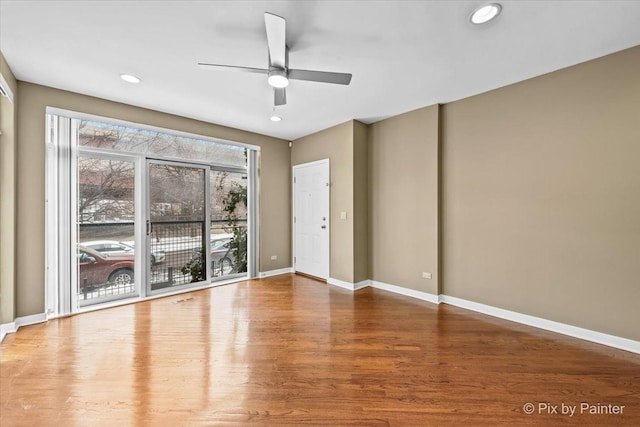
130 78
485 13
278 79
278 73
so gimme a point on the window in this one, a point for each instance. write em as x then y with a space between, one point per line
145 209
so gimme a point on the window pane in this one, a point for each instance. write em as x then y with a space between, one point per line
126 139
178 224
177 193
106 216
228 223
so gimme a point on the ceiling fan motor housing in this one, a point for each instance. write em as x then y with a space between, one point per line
278 77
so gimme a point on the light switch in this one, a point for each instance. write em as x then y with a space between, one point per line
343 215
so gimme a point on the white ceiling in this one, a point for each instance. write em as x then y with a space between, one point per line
403 55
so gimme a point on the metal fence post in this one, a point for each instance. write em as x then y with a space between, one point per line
170 274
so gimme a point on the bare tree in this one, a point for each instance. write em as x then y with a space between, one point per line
106 187
106 190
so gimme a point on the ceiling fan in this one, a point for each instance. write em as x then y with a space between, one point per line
279 72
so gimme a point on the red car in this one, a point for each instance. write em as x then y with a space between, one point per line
98 270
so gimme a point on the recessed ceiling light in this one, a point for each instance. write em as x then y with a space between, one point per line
485 13
275 118
129 78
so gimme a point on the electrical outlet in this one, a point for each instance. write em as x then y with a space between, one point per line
274 257
343 215
426 275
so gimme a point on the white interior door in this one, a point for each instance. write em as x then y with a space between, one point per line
311 218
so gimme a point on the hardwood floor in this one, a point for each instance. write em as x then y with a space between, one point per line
290 350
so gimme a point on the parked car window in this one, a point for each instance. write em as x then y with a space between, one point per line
220 244
84 258
114 247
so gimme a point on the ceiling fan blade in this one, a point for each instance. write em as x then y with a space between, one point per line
279 96
232 68
320 76
276 39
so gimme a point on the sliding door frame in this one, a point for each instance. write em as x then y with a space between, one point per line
139 258
62 152
147 235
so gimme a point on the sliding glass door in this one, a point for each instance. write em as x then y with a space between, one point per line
177 225
135 211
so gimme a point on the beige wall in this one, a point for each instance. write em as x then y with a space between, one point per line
275 218
541 196
360 203
275 205
335 144
8 141
403 200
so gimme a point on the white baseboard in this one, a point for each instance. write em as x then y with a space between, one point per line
536 322
525 319
12 327
31 320
348 285
341 284
404 291
549 325
7 328
270 273
361 285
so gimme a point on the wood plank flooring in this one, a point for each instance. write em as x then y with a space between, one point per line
290 350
